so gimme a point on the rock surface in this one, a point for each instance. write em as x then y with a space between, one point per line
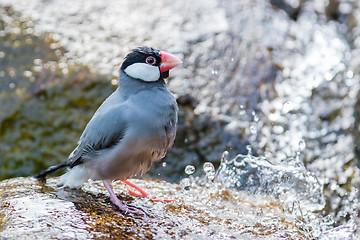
281 76
34 210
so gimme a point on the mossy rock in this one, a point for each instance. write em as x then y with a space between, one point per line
45 102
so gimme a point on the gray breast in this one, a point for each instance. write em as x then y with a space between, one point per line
152 119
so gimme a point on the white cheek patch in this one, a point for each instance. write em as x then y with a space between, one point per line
143 72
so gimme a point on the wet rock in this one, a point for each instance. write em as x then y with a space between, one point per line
258 77
34 210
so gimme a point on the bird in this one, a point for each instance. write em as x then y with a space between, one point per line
131 129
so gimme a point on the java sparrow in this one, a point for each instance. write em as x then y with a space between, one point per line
132 128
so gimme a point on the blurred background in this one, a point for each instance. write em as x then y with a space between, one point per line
279 78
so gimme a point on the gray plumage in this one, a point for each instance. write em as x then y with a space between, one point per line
145 114
133 127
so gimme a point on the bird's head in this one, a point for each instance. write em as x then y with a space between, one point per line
149 64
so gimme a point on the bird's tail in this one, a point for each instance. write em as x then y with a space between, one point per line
52 169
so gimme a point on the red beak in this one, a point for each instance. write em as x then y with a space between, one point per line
168 61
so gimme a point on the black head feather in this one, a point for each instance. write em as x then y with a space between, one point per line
140 54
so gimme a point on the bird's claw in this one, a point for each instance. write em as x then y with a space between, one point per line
123 207
127 209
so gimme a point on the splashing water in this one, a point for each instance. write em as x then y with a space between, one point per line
185 184
287 184
209 170
288 181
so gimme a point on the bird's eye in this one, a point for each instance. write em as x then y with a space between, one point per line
150 60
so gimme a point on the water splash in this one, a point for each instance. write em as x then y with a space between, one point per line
288 181
247 179
209 170
185 184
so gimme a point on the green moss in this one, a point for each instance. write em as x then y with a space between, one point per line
45 102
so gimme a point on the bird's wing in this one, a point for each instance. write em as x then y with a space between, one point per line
105 129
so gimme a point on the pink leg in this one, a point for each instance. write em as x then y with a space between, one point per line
117 201
143 194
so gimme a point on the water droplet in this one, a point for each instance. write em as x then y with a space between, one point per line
242 110
209 170
164 164
12 73
225 157
189 169
37 61
27 74
329 76
12 85
225 154
302 145
58 52
214 72
114 82
287 107
349 74
185 184
248 147
301 148
278 130
253 129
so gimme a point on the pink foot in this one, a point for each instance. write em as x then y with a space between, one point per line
144 194
124 208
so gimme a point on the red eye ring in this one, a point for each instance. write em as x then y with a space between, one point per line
150 60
